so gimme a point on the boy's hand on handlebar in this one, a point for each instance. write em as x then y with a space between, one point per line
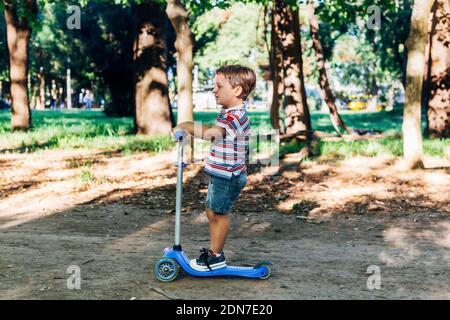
178 129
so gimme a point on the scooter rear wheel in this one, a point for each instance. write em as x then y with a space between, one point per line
266 264
166 269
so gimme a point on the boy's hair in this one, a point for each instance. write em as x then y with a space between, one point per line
238 75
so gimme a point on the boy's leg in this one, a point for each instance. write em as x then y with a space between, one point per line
218 230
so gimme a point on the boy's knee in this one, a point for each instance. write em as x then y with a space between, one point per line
212 216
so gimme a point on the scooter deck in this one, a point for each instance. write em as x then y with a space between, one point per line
247 272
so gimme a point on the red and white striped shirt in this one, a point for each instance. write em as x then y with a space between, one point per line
227 155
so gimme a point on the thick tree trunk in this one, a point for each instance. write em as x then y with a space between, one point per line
150 71
184 45
276 70
412 133
437 99
327 94
120 84
296 109
18 35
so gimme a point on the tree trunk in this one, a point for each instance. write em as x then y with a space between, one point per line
425 97
437 99
40 105
184 45
150 71
18 35
120 83
276 70
34 96
296 109
327 94
390 98
416 42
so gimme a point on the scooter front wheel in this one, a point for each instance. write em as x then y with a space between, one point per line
166 269
264 264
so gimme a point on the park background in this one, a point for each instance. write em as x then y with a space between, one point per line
359 91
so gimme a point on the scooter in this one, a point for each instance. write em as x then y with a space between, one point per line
168 267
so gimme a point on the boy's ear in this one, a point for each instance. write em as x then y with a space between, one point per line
238 91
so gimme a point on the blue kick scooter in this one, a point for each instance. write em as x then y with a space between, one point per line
168 267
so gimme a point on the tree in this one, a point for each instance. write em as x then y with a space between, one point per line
150 70
276 71
438 70
18 31
415 44
327 94
297 118
184 45
3 57
51 45
219 38
379 59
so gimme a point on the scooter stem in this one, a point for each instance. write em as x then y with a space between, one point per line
179 195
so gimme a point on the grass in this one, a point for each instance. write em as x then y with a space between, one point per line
86 176
93 130
77 130
388 122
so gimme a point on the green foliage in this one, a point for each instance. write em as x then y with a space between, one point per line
394 29
335 18
100 54
220 38
339 18
198 7
356 64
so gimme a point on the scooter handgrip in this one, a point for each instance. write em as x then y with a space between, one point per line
179 135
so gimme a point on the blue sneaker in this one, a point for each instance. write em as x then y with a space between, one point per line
208 261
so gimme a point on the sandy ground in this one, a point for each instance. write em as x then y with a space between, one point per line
322 224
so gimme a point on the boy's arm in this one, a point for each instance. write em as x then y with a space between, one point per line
205 132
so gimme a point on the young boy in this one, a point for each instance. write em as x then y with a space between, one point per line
226 164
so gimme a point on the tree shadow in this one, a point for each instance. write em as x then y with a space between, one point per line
32 147
125 227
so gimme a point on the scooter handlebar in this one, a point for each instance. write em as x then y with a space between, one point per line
179 135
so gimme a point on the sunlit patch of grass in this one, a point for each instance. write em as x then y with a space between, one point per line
87 177
391 146
436 147
367 148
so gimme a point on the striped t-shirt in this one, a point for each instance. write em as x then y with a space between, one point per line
227 155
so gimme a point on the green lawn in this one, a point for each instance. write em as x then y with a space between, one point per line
75 130
93 130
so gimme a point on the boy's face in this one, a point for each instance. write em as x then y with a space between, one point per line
225 94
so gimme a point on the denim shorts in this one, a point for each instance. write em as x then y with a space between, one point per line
223 192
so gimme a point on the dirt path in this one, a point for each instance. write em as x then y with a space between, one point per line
321 224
